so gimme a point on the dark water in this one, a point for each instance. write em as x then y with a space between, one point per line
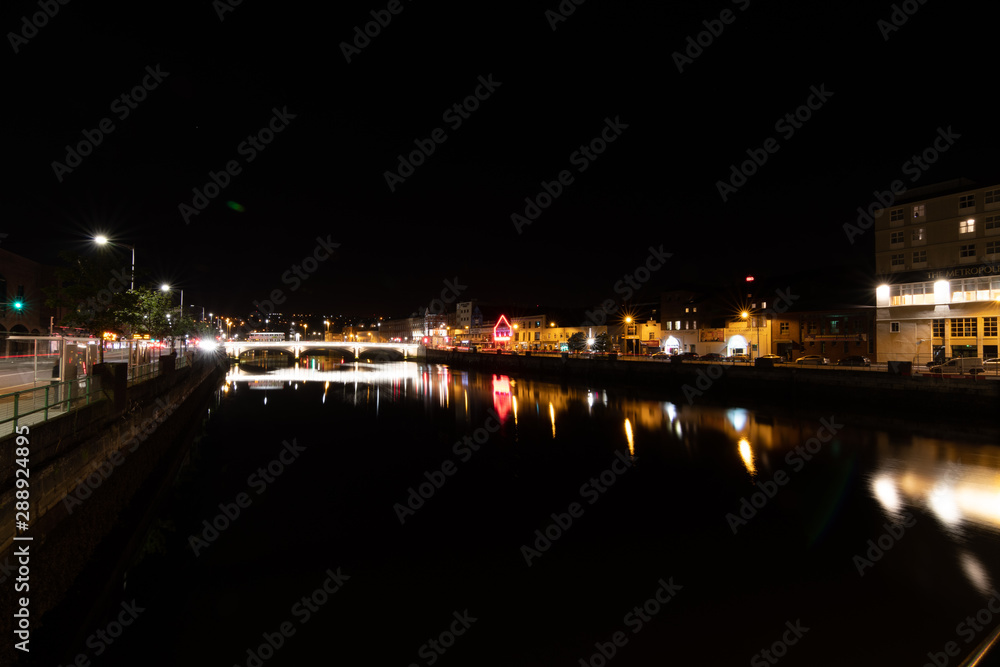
647 559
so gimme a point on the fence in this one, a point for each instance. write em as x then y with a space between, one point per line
33 406
40 404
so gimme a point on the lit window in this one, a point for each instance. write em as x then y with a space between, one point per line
963 327
967 226
966 202
990 326
918 235
687 310
918 211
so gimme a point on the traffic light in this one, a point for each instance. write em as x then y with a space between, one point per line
18 305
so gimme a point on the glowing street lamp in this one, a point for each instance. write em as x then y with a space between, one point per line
100 239
746 316
166 288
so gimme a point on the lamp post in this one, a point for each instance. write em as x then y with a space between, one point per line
100 239
746 316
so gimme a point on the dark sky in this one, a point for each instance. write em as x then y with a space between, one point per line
323 175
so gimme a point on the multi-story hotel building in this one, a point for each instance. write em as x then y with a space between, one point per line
936 257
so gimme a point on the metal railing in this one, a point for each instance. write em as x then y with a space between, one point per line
40 404
33 406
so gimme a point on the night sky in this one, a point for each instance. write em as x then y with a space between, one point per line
216 75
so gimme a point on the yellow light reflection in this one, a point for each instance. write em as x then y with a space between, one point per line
514 403
746 453
552 418
628 435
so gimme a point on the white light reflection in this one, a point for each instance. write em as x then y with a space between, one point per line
738 418
884 489
976 573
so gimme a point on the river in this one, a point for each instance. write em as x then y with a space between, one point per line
404 514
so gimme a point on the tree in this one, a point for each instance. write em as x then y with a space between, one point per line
577 342
91 289
602 343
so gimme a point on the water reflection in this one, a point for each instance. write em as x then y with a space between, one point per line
746 453
958 484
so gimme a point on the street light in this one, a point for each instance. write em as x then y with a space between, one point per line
166 288
100 239
746 316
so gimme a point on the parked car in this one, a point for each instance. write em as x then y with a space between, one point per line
776 358
738 357
960 365
991 365
855 360
661 355
813 359
688 355
712 356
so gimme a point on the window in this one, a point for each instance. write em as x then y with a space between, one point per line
937 328
677 325
919 256
990 326
893 327
918 211
538 335
991 198
896 215
833 327
896 238
992 224
918 235
963 326
783 327
897 260
687 310
966 202
992 247
967 250
967 226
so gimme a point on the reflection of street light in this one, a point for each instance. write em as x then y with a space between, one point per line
101 239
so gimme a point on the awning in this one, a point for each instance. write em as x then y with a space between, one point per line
651 343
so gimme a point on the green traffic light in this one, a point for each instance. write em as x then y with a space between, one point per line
18 305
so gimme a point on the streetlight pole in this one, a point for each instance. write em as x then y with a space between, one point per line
103 240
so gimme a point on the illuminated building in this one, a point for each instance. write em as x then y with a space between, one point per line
938 285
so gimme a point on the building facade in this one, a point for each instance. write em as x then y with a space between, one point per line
936 255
